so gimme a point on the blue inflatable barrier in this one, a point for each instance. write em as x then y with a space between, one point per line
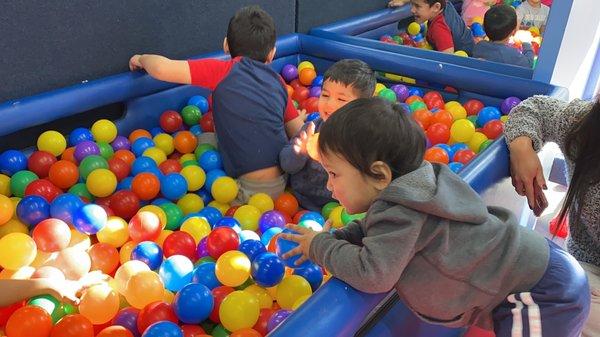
336 309
365 30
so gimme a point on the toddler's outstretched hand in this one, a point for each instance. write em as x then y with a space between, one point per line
301 142
134 63
303 239
71 291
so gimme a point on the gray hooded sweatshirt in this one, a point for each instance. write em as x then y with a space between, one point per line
431 237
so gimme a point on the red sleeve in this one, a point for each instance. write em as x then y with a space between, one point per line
207 73
290 110
440 35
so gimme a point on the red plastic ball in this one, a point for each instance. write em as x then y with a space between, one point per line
39 163
435 104
286 203
180 243
221 240
438 133
192 330
63 174
298 215
559 229
119 167
263 321
7 311
170 166
443 117
51 235
493 129
206 122
75 325
473 106
44 188
463 156
300 94
436 155
432 95
170 121
424 116
155 312
144 226
295 84
125 204
145 185
219 294
31 321
231 211
311 104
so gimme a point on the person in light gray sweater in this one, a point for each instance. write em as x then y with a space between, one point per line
575 127
428 235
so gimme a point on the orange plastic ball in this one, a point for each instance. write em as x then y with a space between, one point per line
138 133
436 155
306 76
63 174
145 185
185 142
125 155
287 204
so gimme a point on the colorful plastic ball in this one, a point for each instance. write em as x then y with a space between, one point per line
90 219
148 252
155 154
193 303
314 216
289 72
12 161
252 248
211 214
174 215
194 176
19 182
262 201
210 160
125 204
224 189
438 133
104 130
493 129
155 312
269 234
106 151
180 243
163 329
51 235
29 321
173 186
211 177
446 148
120 143
232 268
271 219
114 233
170 166
75 325
44 188
436 155
80 135
185 141
17 250
142 164
115 331
205 274
455 166
190 203
33 209
196 130
7 210
170 121
221 240
473 107
140 145
191 115
119 167
462 130
312 273
99 303
144 288
53 142
248 217
144 226
229 222
39 162
207 122
487 114
176 271
508 104
145 185
291 289
91 163
267 269
239 310
201 148
401 91
463 156
127 317
484 145
199 101
424 117
64 206
283 246
101 183
85 149
476 141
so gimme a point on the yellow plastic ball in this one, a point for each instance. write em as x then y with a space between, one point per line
262 201
478 19
53 142
248 217
5 185
504 119
115 233
99 304
336 217
101 183
13 226
224 189
125 253
104 130
144 288
457 112
291 289
264 298
15 202
168 297
187 157
378 88
232 268
155 154
162 236
534 30
413 28
300 301
462 130
195 177
305 64
476 140
17 250
449 104
7 209
190 203
162 216
197 227
220 206
239 310
164 142
127 270
461 53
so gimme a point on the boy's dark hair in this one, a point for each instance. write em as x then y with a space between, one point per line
251 33
370 129
355 73
499 22
433 2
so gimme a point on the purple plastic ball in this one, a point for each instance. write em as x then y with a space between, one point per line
508 104
289 72
315 92
402 92
276 319
84 149
271 219
127 318
202 250
120 143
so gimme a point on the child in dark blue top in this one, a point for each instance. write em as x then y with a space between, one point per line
343 82
500 23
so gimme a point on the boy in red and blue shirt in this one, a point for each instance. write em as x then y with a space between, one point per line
252 112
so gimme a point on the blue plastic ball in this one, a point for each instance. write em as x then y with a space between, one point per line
205 195
148 252
459 146
173 186
415 92
312 116
283 246
196 130
64 206
227 221
487 114
456 166
156 131
163 329
160 201
200 101
142 164
317 82
80 135
314 216
267 269
32 209
125 184
90 219
269 234
252 248
12 161
211 176
140 145
176 272
247 234
193 303
205 274
312 273
446 148
210 160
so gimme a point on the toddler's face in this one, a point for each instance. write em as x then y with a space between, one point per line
334 95
422 11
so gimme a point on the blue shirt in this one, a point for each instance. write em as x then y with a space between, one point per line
502 53
461 35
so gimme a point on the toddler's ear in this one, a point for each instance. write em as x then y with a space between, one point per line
225 46
383 171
